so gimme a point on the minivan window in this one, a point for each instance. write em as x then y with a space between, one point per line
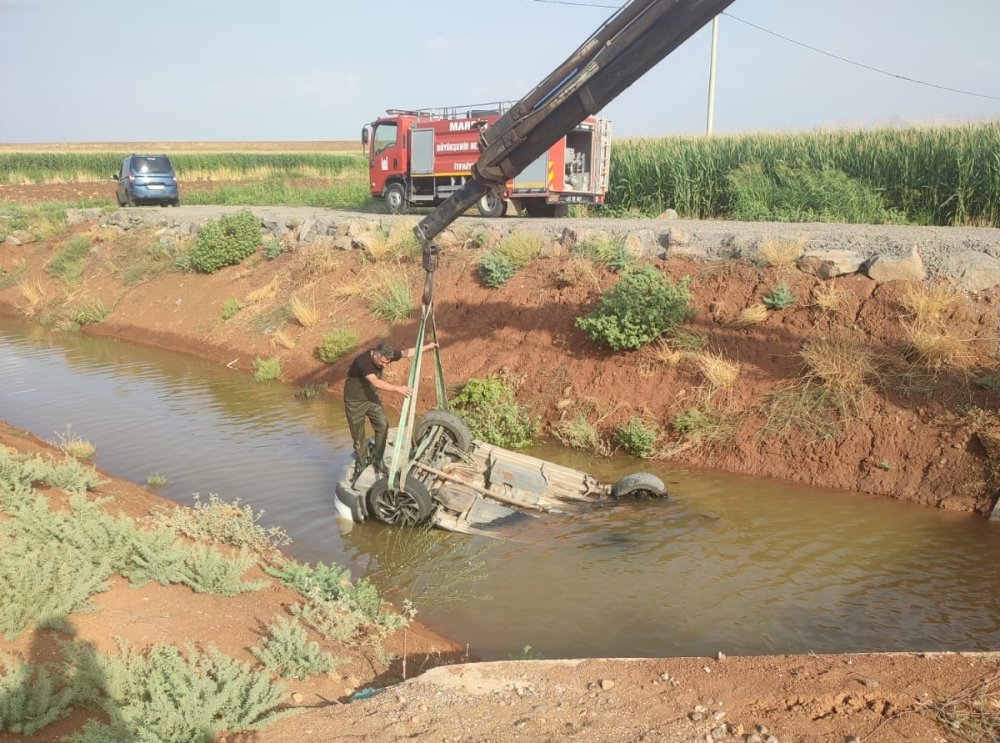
151 165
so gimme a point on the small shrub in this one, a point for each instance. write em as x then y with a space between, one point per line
31 699
493 414
286 650
67 263
389 296
637 438
266 369
496 269
937 349
520 248
228 523
311 391
230 307
156 480
207 570
612 253
780 298
273 248
827 297
580 433
75 446
225 242
336 343
638 310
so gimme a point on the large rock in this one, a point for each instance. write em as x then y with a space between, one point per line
829 263
274 224
884 268
976 271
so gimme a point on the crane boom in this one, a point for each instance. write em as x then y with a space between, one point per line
621 51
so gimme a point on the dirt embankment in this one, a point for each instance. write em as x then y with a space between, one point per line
916 433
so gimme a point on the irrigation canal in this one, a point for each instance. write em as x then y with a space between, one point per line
731 564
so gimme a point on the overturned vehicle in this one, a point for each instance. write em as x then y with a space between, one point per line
465 485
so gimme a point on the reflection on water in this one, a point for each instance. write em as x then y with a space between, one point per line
728 563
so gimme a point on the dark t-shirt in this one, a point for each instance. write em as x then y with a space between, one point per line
357 387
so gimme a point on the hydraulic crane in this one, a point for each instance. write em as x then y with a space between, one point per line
621 51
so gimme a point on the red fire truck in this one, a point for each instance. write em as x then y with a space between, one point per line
420 158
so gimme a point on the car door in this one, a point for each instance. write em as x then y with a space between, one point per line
121 185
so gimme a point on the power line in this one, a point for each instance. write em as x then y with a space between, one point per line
804 46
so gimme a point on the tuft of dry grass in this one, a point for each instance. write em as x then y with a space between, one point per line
840 364
926 305
75 446
265 294
937 350
304 312
33 294
718 371
279 338
398 243
781 253
755 314
827 297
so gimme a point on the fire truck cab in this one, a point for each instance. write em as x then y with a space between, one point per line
420 158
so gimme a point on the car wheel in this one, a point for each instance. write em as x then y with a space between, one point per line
491 205
129 199
454 428
395 198
639 485
409 505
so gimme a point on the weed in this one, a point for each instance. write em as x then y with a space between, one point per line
336 343
780 298
207 570
172 697
266 293
781 253
496 269
31 699
89 313
926 305
937 350
527 653
287 651
273 248
884 465
228 523
33 294
698 426
637 437
67 263
640 308
991 383
14 276
973 714
225 242
688 340
826 297
281 339
493 414
303 312
75 446
390 297
663 352
719 372
230 307
841 364
272 320
311 391
521 248
580 433
398 243
156 480
266 369
612 253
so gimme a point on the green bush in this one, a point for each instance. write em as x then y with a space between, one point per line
493 415
496 269
225 242
230 307
779 299
642 306
612 253
637 438
273 248
266 369
286 650
336 343
67 263
30 699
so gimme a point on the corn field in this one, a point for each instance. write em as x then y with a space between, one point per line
927 176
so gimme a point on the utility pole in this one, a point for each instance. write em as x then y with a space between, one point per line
711 77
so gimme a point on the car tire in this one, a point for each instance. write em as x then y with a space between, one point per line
395 198
639 486
409 505
455 428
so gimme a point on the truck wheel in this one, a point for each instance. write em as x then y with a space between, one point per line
639 485
454 428
395 198
409 505
491 205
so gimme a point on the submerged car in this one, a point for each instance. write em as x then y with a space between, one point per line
147 179
464 485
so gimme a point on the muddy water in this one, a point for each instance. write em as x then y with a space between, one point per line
729 564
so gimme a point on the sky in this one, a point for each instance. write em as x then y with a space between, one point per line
272 70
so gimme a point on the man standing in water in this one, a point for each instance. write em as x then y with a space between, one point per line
361 402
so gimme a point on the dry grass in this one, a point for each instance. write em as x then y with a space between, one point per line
576 271
926 305
265 294
781 253
281 339
33 294
75 446
304 312
397 244
839 363
937 350
718 371
311 263
656 355
755 314
827 297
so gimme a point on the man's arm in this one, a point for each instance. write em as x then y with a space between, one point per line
408 352
381 384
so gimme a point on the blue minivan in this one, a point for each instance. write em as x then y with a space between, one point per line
147 179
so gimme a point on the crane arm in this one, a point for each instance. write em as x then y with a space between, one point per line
621 51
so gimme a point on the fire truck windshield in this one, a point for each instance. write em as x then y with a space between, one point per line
385 136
